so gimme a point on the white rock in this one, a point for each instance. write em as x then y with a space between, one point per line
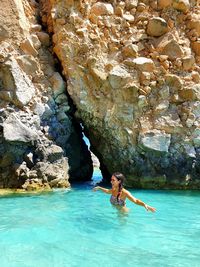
155 140
28 64
144 64
15 130
24 88
118 77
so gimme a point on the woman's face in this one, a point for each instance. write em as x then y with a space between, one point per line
114 181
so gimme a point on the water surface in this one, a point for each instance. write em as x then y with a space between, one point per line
80 228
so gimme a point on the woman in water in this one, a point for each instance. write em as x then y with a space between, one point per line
119 193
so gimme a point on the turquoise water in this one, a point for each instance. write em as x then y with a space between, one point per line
80 228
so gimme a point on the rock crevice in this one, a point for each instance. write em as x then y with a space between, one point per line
41 144
132 69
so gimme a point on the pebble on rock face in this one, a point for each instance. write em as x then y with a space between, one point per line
132 71
181 5
100 9
157 27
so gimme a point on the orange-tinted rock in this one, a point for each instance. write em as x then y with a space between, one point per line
190 93
157 27
101 9
28 47
130 50
44 38
127 84
144 64
172 49
196 47
194 23
164 3
188 62
181 5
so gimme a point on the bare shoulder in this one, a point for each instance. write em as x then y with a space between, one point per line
125 192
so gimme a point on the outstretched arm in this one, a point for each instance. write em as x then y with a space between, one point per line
139 202
107 191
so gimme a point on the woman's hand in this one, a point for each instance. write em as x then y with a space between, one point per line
95 188
149 208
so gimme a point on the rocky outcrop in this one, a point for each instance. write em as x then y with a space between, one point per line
132 69
41 144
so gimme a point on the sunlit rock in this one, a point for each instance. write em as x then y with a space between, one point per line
100 9
154 140
182 5
144 64
15 130
28 47
156 27
172 49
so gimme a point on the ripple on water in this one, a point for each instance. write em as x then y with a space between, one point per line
80 228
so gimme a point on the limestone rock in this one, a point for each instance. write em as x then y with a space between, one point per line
155 141
133 84
144 64
172 49
4 32
157 27
196 47
30 110
28 47
35 41
15 130
194 23
50 153
129 18
174 81
44 38
24 88
130 50
190 93
36 28
130 4
57 83
6 96
164 3
36 185
101 9
196 137
118 77
188 62
100 74
182 5
28 64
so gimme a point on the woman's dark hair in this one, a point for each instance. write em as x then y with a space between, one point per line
120 177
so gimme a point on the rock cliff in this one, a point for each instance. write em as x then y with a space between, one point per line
132 70
40 143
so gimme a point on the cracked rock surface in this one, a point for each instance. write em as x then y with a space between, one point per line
41 144
132 70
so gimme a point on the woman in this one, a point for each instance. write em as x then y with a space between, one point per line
119 194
